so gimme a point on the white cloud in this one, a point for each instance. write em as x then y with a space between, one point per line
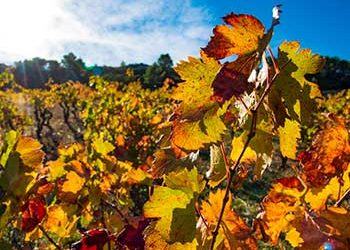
102 32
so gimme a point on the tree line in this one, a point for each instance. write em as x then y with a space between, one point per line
36 72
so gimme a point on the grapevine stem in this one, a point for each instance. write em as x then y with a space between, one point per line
223 153
275 65
201 216
230 175
251 135
125 220
49 238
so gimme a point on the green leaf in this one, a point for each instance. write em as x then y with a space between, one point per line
292 96
10 141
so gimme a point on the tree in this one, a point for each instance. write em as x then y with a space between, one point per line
158 72
75 68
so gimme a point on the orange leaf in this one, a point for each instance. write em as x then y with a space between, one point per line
73 184
326 230
240 37
281 206
236 233
329 154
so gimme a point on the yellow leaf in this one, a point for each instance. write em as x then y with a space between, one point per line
249 155
289 135
294 238
30 152
56 169
281 206
107 182
57 220
120 141
193 135
154 241
137 176
173 215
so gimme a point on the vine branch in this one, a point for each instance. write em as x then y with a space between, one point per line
251 135
49 238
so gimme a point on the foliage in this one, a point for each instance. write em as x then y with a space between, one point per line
83 196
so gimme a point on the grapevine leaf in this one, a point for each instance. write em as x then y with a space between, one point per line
173 216
154 241
329 228
289 135
292 95
329 154
217 170
232 79
263 147
166 161
56 220
195 92
294 238
234 231
102 147
260 148
281 206
33 212
249 155
133 237
56 169
189 182
317 197
239 37
196 121
93 239
30 152
73 182
10 141
194 135
16 179
137 176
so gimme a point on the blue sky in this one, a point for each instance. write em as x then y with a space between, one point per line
322 25
107 32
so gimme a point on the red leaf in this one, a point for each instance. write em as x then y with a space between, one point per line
291 182
93 240
33 212
232 79
133 237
